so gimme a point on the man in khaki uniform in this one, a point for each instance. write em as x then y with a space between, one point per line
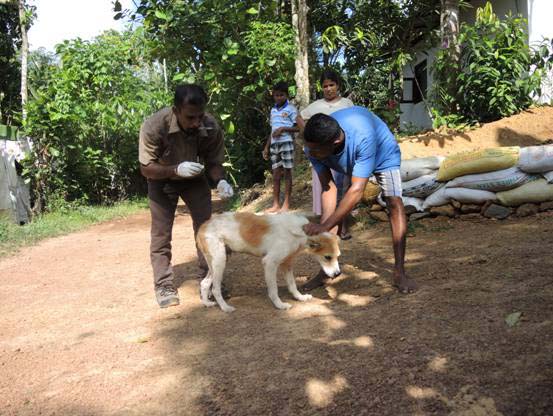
180 147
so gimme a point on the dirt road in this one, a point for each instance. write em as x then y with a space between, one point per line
80 333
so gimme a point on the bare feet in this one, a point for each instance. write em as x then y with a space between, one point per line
285 208
344 235
273 210
343 231
404 284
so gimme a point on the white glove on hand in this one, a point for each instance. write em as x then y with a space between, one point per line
189 169
224 189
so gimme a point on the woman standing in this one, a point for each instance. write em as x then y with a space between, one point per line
331 102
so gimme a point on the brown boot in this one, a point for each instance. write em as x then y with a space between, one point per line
316 281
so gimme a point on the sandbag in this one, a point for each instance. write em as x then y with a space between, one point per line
413 168
478 161
536 159
500 180
422 186
370 193
416 203
470 196
531 192
436 199
548 176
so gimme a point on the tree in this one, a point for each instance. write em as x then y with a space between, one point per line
10 42
84 116
449 30
301 40
24 22
237 51
369 42
25 15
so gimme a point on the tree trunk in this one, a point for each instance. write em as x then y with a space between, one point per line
449 26
299 22
24 54
449 21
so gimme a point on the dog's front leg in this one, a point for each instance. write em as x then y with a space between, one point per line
292 288
271 266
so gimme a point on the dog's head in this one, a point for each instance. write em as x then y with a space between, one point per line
326 249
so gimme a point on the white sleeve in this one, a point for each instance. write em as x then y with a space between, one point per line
347 102
306 113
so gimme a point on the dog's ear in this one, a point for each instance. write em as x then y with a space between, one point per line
313 243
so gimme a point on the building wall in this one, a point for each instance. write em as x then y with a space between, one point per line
500 7
540 27
416 115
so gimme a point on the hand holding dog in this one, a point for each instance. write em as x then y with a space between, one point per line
189 169
224 189
314 229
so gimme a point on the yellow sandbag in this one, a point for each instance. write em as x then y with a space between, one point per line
478 161
535 191
370 193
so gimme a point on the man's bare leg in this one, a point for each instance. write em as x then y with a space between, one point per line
398 224
276 191
287 190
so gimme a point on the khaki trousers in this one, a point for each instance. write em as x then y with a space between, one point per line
163 196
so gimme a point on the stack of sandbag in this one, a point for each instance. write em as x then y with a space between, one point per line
537 161
473 177
510 176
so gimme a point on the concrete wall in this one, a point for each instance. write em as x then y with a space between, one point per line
540 27
500 8
417 114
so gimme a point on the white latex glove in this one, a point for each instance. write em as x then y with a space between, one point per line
224 189
189 169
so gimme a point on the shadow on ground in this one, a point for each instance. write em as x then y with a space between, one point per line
361 348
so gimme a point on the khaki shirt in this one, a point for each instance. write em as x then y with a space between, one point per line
162 141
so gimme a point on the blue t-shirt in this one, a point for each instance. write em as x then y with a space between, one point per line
369 145
284 116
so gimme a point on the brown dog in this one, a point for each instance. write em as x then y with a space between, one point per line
278 239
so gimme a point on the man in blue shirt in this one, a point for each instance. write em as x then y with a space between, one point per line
357 143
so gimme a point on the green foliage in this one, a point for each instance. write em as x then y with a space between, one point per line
10 42
497 75
372 40
71 217
236 50
84 115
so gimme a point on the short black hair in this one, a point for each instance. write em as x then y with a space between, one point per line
281 86
332 75
321 129
191 94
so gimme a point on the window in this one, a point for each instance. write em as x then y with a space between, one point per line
420 82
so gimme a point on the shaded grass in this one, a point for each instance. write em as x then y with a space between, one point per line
62 221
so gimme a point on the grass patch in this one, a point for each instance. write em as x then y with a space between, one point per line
441 228
63 221
413 226
234 203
